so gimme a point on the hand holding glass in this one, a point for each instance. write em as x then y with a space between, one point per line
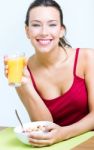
16 65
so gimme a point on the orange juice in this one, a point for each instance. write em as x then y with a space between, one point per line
15 70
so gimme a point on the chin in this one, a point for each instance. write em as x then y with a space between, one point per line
45 50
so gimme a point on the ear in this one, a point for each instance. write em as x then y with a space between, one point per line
62 32
27 31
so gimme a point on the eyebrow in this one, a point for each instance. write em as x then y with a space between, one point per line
40 21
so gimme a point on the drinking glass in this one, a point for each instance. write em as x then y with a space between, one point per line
16 63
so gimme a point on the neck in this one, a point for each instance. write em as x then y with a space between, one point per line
52 58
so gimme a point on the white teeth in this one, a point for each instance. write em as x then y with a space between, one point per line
44 42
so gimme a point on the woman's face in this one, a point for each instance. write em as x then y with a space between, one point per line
44 29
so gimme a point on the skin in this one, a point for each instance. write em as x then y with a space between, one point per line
51 61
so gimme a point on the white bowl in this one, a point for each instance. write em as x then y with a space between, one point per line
36 127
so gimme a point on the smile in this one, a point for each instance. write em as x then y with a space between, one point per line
44 42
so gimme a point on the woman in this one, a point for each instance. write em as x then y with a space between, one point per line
58 83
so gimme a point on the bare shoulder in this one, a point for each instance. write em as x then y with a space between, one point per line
87 53
88 58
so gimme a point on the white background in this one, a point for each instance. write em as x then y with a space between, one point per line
79 19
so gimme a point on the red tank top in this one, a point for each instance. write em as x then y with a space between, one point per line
72 105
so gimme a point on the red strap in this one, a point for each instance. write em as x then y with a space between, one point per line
32 78
75 62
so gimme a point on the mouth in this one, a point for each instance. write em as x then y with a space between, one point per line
44 42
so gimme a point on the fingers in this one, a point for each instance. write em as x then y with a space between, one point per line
50 127
26 78
45 139
6 70
40 143
43 136
47 134
25 61
5 59
26 72
6 65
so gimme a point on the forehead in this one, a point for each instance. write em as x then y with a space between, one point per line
44 13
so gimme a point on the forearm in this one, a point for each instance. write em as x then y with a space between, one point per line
36 108
82 126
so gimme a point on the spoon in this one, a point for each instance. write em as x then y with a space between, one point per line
19 119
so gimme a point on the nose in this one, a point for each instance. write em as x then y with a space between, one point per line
44 30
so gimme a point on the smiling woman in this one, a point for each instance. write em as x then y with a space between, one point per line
44 32
57 84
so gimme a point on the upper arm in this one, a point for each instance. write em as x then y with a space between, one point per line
89 77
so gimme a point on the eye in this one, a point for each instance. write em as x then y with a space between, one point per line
35 25
52 25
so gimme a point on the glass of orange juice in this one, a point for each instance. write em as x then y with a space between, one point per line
16 63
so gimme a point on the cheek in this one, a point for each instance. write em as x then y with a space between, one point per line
55 32
35 32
